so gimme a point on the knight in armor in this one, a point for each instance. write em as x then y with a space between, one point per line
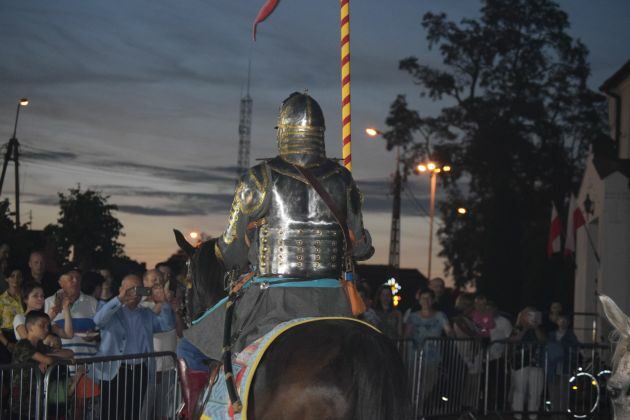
281 229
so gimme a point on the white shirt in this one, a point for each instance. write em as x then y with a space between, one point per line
501 331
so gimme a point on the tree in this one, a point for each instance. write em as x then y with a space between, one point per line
516 124
86 226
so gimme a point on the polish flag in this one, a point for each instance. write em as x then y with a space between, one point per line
555 232
575 220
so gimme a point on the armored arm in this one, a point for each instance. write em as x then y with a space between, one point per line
362 248
249 204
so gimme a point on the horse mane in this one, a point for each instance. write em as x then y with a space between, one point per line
207 273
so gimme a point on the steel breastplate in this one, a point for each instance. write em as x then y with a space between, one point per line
301 237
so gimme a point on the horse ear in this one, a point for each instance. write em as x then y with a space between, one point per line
615 316
183 243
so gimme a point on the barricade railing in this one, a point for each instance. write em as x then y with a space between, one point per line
453 376
140 386
445 375
529 378
20 391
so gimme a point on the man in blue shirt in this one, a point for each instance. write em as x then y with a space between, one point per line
128 329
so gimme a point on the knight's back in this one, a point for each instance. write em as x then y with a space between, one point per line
301 237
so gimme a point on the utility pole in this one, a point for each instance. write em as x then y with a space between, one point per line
13 153
394 240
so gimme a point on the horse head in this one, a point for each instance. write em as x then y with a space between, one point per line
206 273
619 382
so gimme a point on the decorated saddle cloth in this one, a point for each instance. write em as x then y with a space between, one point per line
244 367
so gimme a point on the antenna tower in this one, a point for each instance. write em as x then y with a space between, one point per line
245 127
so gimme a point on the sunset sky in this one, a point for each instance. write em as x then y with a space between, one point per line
140 99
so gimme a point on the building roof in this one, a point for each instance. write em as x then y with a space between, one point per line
616 79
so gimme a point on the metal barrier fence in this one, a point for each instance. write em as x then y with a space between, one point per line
143 386
457 376
445 375
20 391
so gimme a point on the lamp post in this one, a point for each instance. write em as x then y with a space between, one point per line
394 242
13 154
434 169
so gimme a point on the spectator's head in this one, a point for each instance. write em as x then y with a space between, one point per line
14 278
4 252
52 340
480 303
37 325
555 308
37 264
384 301
464 303
165 269
92 284
563 322
70 283
129 282
153 278
437 285
426 298
32 296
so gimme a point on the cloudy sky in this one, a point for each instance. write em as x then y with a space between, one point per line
140 99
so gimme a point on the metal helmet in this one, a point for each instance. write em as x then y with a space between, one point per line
301 130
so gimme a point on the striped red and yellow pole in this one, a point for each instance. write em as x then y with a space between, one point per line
345 84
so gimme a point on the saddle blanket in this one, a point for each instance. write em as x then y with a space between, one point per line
244 366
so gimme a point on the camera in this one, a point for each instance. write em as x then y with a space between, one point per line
142 291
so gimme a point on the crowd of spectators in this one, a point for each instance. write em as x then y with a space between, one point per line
530 337
77 314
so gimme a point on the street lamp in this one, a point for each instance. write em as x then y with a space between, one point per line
433 168
13 154
394 242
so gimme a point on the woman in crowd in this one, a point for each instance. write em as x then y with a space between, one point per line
527 363
33 298
424 324
11 302
390 318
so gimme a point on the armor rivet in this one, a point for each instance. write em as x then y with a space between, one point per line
317 250
317 257
299 264
300 231
280 249
279 256
316 264
299 257
319 232
300 242
316 243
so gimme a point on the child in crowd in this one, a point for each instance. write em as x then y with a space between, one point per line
30 349
482 316
33 298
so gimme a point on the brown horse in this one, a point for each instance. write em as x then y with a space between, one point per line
330 369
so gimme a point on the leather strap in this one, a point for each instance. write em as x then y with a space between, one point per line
332 206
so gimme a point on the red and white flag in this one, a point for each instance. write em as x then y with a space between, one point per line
555 232
575 220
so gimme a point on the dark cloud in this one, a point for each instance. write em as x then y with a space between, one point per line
48 155
190 174
158 211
